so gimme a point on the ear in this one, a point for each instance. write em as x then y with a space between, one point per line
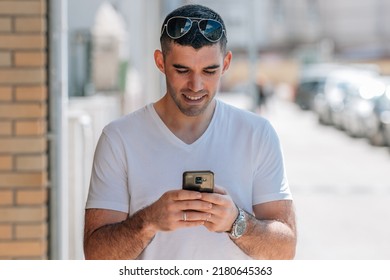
159 60
226 61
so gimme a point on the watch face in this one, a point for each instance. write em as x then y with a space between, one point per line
240 228
239 225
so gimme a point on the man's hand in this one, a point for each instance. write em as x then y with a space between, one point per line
177 209
115 235
270 233
223 211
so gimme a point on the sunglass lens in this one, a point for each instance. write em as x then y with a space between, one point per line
177 27
211 29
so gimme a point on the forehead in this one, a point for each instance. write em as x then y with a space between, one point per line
190 57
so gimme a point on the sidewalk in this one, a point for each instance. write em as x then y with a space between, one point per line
341 188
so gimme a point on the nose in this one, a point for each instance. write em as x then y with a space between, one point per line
195 83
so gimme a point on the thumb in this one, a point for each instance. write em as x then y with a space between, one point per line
219 190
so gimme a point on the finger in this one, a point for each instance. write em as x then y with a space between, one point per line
219 190
189 216
215 198
192 216
186 195
197 205
213 227
218 223
191 223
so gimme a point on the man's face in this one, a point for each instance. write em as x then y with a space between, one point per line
193 76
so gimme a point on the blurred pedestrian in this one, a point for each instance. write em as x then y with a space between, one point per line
264 94
136 206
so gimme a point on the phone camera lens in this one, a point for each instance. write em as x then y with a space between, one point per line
198 180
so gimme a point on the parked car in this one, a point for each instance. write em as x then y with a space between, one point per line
311 82
341 86
386 132
378 122
359 105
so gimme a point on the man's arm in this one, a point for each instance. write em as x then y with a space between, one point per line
271 233
111 234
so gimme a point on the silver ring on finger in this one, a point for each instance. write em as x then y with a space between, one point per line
184 216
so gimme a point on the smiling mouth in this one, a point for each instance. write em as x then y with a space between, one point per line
194 98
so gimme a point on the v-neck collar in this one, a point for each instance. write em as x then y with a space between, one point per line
172 137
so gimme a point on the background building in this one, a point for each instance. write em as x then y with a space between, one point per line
24 136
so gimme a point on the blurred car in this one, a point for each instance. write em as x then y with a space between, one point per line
306 92
359 105
386 132
311 82
341 86
378 122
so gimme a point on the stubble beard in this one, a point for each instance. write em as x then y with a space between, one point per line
188 110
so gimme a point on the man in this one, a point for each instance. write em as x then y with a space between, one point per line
136 207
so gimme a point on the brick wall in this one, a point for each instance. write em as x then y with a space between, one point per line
23 130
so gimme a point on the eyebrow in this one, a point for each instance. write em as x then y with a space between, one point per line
214 66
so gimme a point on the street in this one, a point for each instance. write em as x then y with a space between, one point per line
341 187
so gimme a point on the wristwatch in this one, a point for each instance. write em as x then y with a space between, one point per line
239 225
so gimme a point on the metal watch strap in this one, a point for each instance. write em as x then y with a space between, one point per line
239 225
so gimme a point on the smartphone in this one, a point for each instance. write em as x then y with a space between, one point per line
201 181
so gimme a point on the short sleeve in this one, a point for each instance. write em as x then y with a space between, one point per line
270 179
108 185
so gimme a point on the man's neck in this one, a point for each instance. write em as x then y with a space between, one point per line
186 128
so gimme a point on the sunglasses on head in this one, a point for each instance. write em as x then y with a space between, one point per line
177 27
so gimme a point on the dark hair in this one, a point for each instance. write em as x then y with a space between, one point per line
193 38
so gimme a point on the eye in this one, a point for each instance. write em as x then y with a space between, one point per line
181 70
210 72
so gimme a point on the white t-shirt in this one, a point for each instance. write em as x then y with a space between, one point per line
138 158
